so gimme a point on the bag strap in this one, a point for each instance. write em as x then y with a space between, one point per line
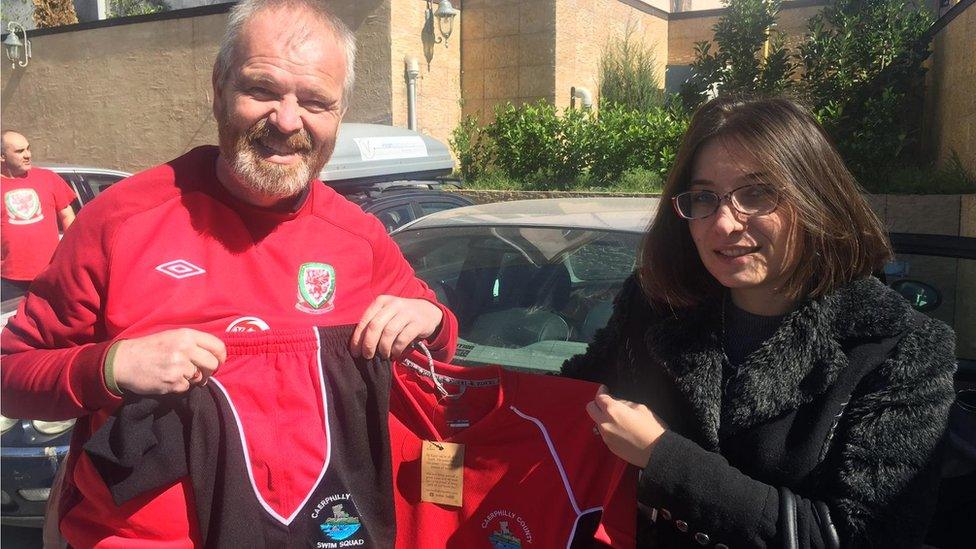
787 518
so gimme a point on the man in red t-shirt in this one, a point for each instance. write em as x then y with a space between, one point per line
34 200
162 267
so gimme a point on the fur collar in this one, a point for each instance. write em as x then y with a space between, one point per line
797 363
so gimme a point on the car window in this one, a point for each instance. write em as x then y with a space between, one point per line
943 288
525 297
434 207
395 216
99 182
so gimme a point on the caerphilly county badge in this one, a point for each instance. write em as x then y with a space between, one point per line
316 288
506 530
23 206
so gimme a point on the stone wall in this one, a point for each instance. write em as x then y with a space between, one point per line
132 95
508 53
439 84
523 51
126 96
950 112
583 30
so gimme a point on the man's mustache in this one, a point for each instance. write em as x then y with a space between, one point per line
299 142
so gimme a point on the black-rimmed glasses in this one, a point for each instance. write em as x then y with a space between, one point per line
753 199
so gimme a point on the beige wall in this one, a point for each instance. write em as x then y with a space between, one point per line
121 97
508 53
583 30
131 96
521 51
439 84
684 32
950 106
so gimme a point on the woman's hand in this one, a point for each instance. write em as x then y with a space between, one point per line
629 429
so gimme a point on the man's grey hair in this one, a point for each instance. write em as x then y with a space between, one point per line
241 13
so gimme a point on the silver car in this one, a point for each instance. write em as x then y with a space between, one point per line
530 281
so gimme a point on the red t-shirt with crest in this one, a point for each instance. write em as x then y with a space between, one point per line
29 231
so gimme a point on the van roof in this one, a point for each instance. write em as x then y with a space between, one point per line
369 153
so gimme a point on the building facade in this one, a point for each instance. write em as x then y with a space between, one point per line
132 92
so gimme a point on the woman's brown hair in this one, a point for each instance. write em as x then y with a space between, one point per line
836 238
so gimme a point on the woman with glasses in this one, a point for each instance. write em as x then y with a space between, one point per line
772 392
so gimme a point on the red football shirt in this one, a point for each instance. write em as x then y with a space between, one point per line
29 232
170 248
535 472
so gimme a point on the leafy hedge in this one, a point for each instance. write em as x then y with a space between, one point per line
578 148
859 68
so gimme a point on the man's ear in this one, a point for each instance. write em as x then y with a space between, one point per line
218 99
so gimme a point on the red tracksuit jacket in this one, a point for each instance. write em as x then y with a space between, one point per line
170 248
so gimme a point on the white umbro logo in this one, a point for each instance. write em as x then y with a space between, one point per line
180 268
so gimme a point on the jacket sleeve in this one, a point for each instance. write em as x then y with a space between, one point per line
54 347
879 485
597 364
393 275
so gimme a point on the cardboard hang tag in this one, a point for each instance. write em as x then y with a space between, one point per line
442 472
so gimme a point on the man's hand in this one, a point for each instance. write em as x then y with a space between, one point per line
390 324
628 429
167 362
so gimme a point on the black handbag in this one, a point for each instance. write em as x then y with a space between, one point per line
788 523
788 500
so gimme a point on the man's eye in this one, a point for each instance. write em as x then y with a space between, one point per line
260 92
316 106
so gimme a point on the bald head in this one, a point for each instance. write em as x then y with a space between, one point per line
15 154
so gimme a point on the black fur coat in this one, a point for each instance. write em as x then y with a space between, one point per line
860 353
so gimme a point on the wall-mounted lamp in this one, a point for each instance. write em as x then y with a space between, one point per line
445 15
18 50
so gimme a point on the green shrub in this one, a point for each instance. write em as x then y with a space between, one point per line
863 75
750 59
632 139
494 181
576 149
534 141
950 179
628 74
125 8
472 148
638 180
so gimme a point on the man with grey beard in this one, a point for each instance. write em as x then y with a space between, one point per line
166 266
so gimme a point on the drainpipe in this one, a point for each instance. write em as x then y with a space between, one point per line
586 98
412 72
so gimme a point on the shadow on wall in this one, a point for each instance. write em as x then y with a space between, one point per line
354 14
13 78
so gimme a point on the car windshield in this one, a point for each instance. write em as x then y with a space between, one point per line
525 297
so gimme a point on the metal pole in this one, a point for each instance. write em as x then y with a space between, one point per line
412 72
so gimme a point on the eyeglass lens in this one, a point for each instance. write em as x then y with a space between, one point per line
750 200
